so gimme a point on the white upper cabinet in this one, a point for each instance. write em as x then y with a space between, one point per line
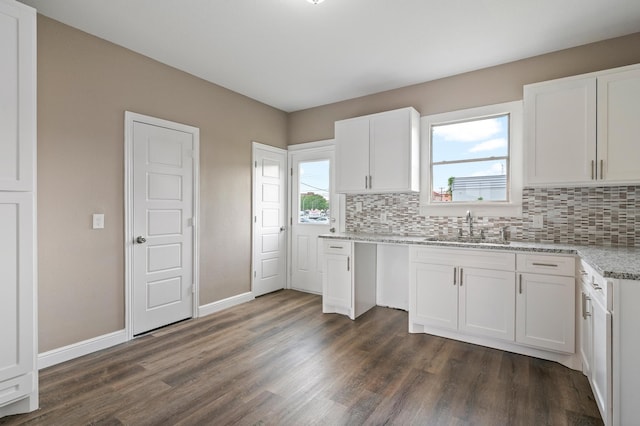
17 96
378 153
619 126
581 130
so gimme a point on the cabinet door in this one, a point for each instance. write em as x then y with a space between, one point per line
487 303
600 366
619 126
352 155
16 285
546 312
391 151
338 287
433 295
586 332
17 96
560 135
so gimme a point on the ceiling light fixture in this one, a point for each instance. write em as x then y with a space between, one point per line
315 1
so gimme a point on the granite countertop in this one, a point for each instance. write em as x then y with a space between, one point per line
610 262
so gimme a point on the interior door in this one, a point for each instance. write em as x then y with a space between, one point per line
269 219
314 210
163 182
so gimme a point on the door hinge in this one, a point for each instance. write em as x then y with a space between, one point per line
254 274
291 221
292 171
256 164
193 289
255 219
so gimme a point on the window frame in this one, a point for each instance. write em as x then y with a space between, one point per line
515 163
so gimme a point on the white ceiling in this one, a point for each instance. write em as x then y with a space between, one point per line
295 55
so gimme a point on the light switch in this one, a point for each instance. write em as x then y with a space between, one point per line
98 221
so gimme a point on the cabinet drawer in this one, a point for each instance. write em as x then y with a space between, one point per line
337 247
464 257
15 389
544 264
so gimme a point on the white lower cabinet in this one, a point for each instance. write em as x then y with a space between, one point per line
349 279
449 289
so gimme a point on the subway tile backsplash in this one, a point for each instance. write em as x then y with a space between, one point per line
603 216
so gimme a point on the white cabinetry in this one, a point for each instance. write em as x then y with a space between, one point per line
469 291
583 130
546 302
378 152
596 333
349 279
18 347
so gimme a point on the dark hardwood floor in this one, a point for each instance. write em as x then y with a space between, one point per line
279 361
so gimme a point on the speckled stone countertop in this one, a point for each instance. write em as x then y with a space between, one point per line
610 262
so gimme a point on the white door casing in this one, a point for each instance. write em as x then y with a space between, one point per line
306 264
269 257
161 204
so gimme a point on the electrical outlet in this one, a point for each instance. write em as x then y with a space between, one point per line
383 218
538 221
358 206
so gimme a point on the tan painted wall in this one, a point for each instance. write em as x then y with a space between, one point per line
84 86
488 86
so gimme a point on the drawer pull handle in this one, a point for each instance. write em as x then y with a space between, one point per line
336 247
545 264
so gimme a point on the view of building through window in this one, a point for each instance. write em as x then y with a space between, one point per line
313 197
470 160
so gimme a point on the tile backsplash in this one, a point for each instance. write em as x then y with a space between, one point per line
604 216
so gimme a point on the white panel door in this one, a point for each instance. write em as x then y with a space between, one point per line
314 211
561 131
352 155
17 96
619 126
390 159
487 303
270 217
16 288
163 267
433 295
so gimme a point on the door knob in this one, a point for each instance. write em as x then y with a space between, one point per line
141 240
282 229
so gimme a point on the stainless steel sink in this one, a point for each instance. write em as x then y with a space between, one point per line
468 240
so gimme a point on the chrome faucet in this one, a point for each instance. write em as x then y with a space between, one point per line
470 222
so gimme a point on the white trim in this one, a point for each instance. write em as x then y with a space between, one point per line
129 119
311 145
516 163
76 350
220 305
254 147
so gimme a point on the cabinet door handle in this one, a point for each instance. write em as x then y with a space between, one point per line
455 272
461 275
553 265
587 299
520 284
592 166
348 263
366 183
370 182
601 169
584 306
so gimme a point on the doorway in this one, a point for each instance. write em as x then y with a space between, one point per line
161 206
315 210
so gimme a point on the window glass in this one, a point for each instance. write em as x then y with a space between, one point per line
313 196
470 160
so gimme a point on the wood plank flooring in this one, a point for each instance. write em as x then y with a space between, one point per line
279 361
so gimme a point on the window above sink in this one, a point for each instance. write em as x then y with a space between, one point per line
472 160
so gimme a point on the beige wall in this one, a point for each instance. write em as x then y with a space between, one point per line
84 86
483 87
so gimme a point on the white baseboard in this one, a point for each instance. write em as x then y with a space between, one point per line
75 350
212 308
